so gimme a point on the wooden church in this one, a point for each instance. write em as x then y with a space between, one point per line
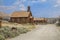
22 16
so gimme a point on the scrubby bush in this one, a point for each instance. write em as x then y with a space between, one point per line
22 30
2 37
7 32
58 24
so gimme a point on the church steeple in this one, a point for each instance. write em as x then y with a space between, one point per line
28 10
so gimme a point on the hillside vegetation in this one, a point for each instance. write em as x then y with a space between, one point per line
10 30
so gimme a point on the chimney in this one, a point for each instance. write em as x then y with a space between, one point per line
28 10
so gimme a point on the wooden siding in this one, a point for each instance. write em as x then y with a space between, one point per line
20 20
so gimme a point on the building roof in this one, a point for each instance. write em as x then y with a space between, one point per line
20 14
2 14
40 19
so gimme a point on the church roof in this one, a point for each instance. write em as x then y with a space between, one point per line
20 14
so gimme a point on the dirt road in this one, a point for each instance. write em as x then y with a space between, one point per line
43 32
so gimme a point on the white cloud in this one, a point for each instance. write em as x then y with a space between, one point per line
36 1
22 7
57 3
16 4
20 4
7 7
43 0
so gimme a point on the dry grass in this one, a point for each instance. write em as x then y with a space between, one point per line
22 28
28 26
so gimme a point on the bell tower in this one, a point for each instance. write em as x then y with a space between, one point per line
28 10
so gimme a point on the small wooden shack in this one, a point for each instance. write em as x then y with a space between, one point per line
22 16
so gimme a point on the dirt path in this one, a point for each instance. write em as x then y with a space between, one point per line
43 32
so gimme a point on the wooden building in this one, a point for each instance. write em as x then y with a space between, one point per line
52 20
22 16
40 20
4 16
0 18
0 21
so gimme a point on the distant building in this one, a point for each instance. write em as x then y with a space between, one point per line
51 20
0 24
40 20
0 18
58 19
0 21
4 16
22 16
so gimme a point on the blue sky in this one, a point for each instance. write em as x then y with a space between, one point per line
39 8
